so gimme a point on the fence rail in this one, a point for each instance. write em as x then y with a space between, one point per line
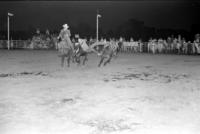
15 44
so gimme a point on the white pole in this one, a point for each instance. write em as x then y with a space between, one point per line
97 29
8 45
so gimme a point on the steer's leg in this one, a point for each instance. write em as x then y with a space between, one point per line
85 59
108 59
102 58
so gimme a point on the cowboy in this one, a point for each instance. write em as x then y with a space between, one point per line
65 46
65 36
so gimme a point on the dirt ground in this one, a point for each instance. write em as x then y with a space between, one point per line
134 94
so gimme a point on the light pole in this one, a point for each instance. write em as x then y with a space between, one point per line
9 15
97 34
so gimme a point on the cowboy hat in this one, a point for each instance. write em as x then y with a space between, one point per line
65 26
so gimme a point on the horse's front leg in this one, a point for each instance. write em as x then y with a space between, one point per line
68 60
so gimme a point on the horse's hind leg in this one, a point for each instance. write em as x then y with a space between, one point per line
68 61
102 58
62 60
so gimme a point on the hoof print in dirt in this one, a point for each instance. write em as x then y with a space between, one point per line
68 101
148 67
106 80
130 76
110 126
173 77
4 75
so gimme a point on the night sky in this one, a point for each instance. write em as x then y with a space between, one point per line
53 14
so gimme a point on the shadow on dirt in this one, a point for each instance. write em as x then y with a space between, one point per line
24 74
147 76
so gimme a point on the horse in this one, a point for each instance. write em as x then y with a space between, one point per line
65 51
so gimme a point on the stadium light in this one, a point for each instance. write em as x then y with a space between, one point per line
98 16
9 15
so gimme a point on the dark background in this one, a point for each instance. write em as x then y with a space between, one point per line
138 18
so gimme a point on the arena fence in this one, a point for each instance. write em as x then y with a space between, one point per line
26 44
15 44
126 47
